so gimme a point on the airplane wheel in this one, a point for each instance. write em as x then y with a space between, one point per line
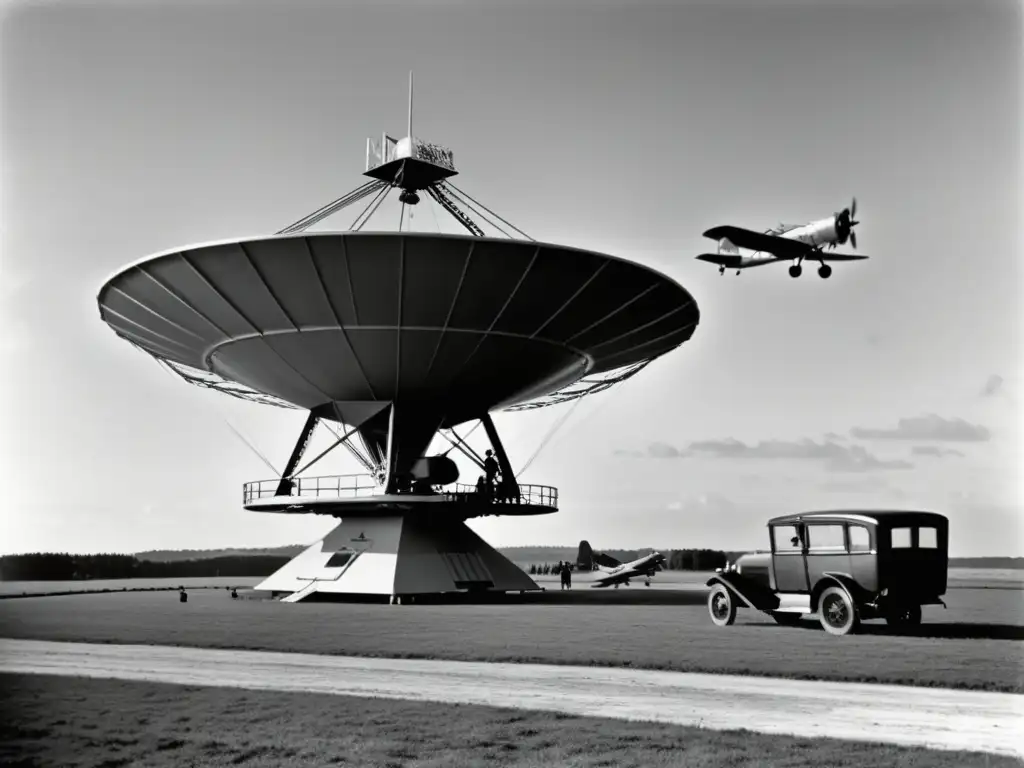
825 271
647 583
795 270
721 606
836 612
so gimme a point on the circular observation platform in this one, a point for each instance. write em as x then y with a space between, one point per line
359 495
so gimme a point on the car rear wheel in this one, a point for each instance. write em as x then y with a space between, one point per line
909 616
836 612
721 606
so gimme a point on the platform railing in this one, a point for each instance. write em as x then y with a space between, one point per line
366 486
328 486
535 495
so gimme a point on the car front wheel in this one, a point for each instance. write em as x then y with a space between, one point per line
721 606
836 611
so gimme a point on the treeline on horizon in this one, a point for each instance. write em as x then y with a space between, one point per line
51 566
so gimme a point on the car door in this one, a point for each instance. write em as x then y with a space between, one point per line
826 550
788 558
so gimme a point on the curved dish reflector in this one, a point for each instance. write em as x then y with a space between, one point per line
456 325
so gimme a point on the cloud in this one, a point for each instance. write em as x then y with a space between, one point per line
934 450
992 386
857 459
930 427
663 451
837 458
654 451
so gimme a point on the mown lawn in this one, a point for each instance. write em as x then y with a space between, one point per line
978 643
83 722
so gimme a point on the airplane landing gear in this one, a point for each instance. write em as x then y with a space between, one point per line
721 270
825 270
795 270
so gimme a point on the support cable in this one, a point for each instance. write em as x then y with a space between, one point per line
435 192
374 205
365 462
479 213
447 183
327 210
547 438
350 201
163 364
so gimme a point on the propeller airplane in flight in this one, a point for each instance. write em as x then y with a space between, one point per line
786 243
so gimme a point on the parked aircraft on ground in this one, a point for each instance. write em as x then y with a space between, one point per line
614 573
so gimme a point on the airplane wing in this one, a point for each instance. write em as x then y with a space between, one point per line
724 259
782 247
622 576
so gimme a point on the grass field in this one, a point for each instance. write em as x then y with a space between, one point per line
81 722
976 644
117 585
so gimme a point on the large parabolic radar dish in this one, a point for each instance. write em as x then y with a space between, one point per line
454 326
398 335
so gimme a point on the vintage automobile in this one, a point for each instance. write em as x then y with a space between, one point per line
844 566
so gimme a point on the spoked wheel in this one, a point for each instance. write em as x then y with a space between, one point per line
836 612
909 616
721 606
785 619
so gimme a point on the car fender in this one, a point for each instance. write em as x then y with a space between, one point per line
836 579
747 592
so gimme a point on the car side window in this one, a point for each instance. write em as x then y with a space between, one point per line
786 538
901 538
860 539
826 538
928 538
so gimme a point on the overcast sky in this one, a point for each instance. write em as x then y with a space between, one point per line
627 128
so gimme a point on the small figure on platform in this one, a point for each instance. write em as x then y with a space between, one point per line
490 467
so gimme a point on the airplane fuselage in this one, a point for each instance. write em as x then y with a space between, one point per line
817 234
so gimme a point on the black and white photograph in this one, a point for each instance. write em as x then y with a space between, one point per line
585 383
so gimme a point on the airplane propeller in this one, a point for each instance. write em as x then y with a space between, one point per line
845 224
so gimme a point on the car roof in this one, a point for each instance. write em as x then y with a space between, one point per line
873 516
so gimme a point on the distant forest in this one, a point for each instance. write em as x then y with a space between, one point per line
69 567
262 562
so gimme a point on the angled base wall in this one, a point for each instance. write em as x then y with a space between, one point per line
397 556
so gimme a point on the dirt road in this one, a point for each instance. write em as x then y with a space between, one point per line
929 717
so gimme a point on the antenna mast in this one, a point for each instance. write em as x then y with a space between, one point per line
410 106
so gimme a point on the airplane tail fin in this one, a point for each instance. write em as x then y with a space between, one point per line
725 246
585 557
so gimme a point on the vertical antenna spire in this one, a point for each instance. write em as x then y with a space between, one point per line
410 107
